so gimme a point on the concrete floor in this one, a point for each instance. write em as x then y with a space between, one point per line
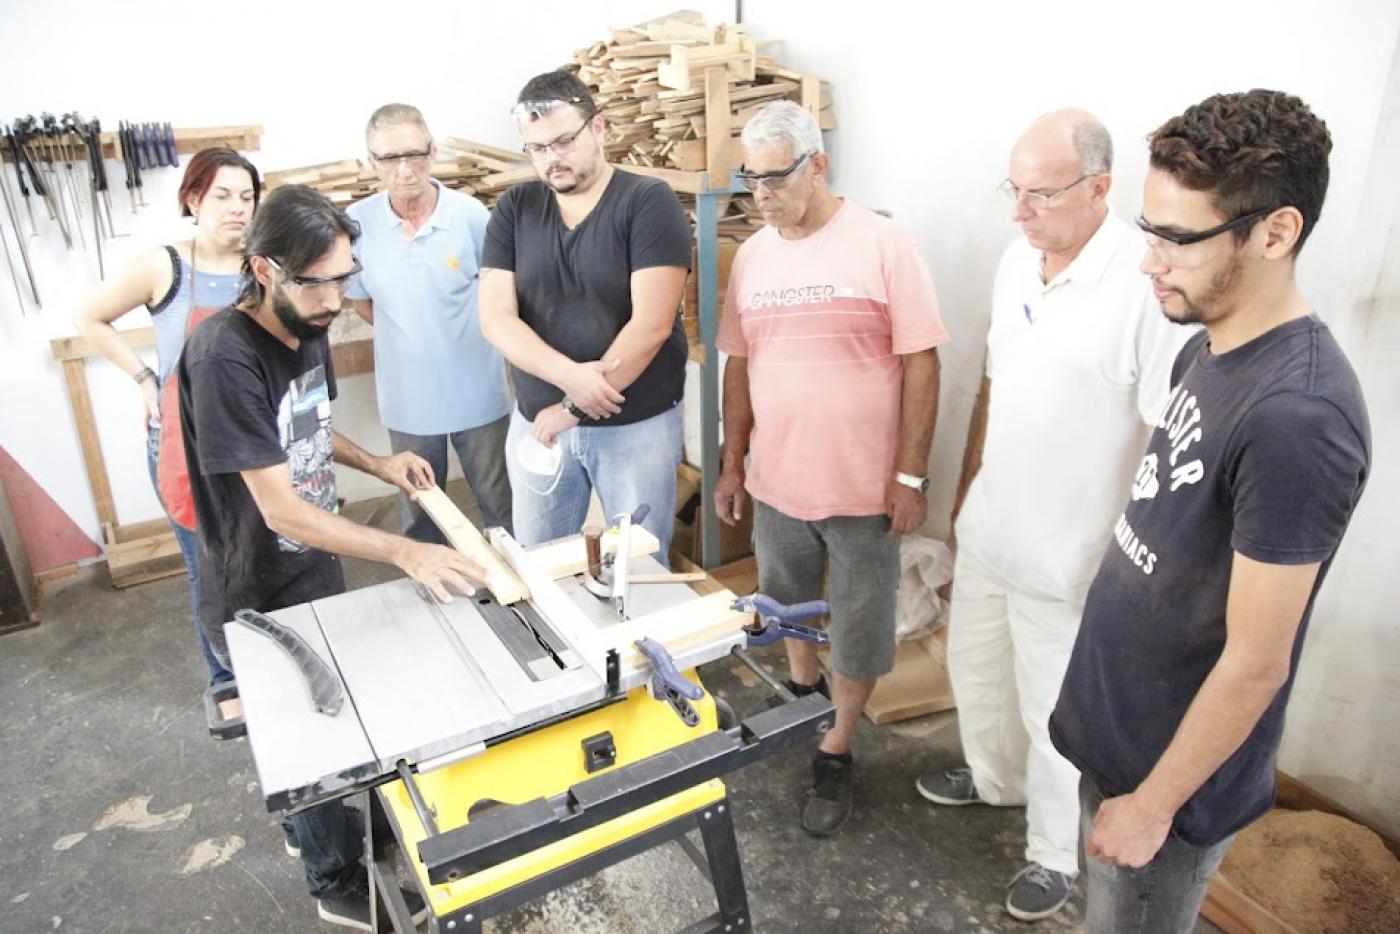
122 815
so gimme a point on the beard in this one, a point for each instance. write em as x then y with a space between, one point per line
296 325
1205 306
578 179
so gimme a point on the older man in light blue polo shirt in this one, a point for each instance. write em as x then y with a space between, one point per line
439 382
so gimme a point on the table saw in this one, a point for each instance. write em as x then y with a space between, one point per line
513 748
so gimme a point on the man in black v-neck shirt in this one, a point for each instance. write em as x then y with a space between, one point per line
256 384
581 280
1173 704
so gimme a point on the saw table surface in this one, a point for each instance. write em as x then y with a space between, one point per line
428 682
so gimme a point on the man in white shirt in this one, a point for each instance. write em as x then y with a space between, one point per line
1080 357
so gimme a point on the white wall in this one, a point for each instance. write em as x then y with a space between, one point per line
310 73
926 134
929 101
1342 736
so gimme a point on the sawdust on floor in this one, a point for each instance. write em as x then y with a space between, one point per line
1318 873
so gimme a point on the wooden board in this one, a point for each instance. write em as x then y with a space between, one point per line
1234 912
566 557
700 622
717 119
145 559
458 529
88 441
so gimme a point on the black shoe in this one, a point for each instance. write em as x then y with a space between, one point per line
801 690
831 800
350 909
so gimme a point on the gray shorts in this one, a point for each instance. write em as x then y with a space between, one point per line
793 555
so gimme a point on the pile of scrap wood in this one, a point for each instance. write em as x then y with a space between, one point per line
649 82
474 168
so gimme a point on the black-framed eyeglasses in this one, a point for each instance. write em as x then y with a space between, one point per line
773 181
559 145
321 285
1186 238
415 159
1038 199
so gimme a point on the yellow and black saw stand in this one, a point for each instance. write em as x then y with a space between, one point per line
538 810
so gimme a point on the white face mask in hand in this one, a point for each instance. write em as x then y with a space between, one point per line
542 464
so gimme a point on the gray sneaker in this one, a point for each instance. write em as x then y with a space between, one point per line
1037 892
829 806
953 787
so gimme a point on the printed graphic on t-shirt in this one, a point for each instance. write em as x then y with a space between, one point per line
1178 429
817 294
304 424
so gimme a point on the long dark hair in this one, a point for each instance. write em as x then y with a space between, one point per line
295 227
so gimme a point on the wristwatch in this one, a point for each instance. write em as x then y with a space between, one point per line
144 374
913 482
568 406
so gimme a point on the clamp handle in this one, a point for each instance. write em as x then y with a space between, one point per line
637 517
663 669
668 684
779 621
770 611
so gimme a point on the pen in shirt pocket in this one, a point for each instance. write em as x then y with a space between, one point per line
1030 319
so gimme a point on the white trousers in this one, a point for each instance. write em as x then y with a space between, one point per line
1007 655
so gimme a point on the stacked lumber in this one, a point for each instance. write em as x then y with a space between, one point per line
649 82
474 168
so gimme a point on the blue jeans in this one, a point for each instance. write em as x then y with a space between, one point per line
331 845
189 549
481 452
627 465
1163 897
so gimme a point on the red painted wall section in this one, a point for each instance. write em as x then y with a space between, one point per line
51 539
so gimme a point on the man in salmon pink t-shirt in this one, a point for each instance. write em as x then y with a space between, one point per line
831 324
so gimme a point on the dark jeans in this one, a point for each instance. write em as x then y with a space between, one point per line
331 843
189 549
482 453
1163 897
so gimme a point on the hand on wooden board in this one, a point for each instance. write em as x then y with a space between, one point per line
407 471
441 569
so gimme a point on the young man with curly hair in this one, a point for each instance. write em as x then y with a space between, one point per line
1173 704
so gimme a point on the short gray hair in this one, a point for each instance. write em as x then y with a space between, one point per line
396 115
1094 147
784 122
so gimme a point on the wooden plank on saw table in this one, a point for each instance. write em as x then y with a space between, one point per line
458 529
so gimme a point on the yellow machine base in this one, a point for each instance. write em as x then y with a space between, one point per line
542 764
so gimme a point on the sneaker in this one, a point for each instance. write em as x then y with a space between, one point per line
831 800
1037 892
351 908
953 787
292 849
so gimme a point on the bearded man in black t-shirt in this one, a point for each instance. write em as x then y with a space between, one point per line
581 281
1173 704
256 384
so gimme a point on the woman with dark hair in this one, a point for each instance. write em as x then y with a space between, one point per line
179 284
